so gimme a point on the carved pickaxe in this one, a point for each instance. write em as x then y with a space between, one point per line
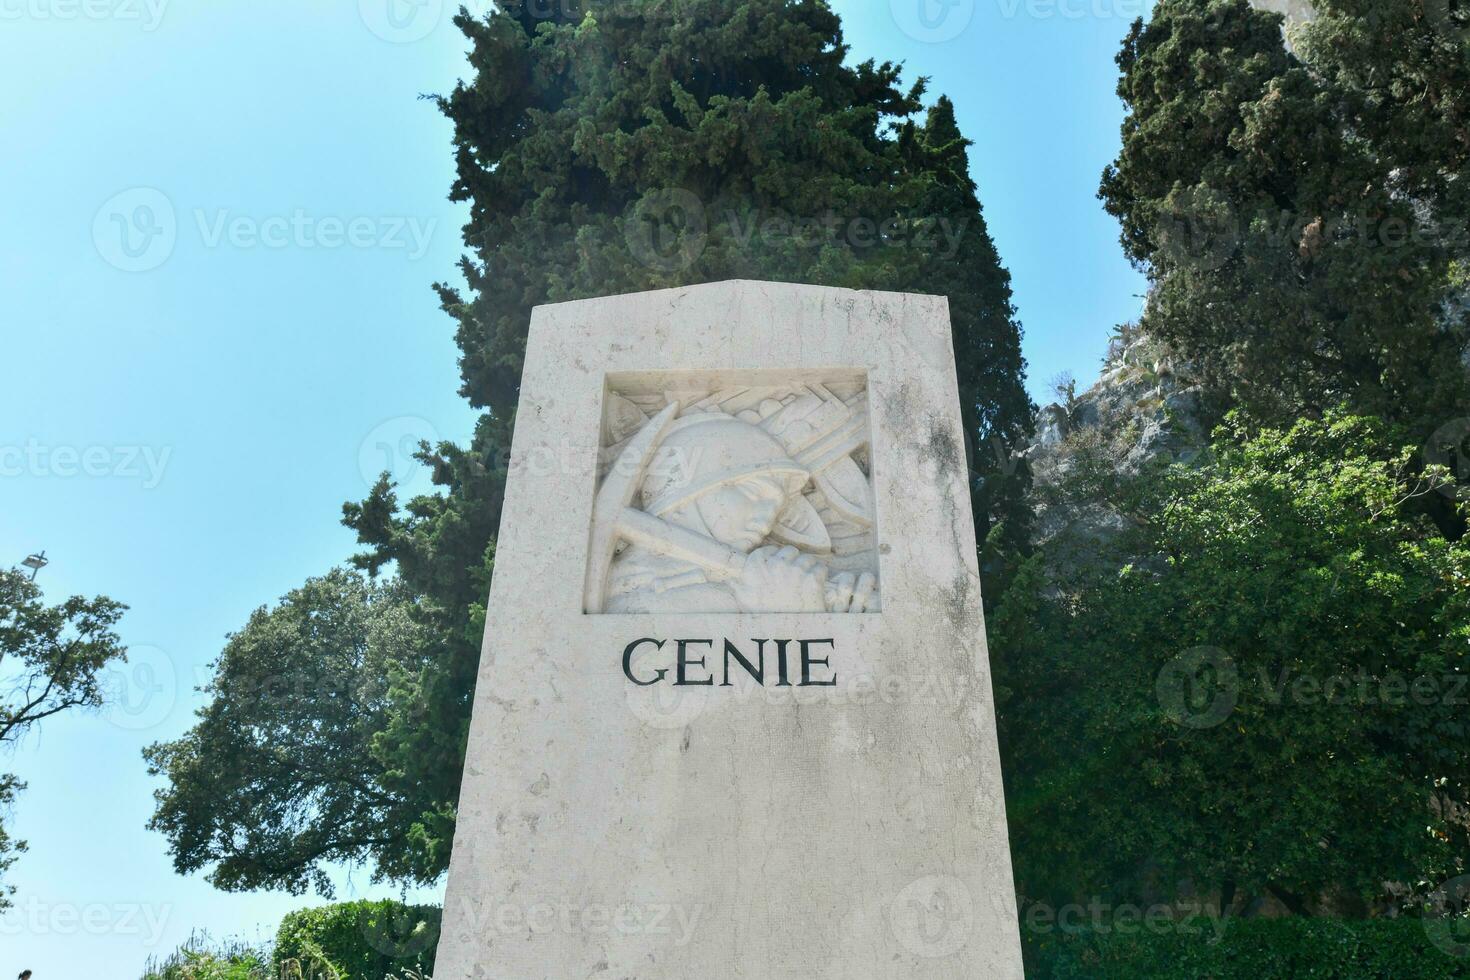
615 519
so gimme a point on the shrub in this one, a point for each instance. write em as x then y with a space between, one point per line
199 960
1258 685
357 941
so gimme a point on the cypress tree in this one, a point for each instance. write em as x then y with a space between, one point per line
1302 218
624 146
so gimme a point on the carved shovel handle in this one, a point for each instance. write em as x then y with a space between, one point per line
660 536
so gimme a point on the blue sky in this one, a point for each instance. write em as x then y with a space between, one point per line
221 224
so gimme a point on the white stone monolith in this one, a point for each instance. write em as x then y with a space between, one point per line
734 716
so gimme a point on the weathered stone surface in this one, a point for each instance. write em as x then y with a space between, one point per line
829 805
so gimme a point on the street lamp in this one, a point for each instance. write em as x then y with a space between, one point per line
35 563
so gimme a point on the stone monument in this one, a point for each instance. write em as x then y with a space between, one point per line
733 717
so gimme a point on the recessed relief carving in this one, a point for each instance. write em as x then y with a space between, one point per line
721 497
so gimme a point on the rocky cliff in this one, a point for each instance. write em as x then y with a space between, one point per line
1142 408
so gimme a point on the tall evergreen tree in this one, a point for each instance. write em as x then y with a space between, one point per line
629 145
1302 219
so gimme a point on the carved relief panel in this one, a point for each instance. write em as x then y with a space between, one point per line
726 494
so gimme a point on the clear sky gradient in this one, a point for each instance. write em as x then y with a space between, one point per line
221 222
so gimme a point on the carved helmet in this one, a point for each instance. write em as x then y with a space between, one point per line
702 453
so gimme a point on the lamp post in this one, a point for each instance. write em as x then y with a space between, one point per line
35 563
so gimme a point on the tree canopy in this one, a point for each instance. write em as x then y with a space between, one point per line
1262 686
292 764
1301 216
52 660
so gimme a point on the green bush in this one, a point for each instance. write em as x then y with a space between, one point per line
1250 949
357 941
199 960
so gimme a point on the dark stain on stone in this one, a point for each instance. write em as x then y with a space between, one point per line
942 449
957 600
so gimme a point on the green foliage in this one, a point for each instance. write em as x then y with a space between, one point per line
1232 693
10 848
628 146
292 763
198 959
358 941
1301 218
52 660
1250 949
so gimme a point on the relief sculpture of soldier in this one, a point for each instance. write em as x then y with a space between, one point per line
727 482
